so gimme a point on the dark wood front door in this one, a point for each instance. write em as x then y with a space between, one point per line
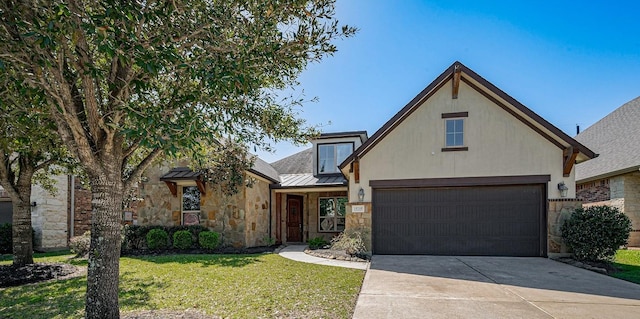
294 218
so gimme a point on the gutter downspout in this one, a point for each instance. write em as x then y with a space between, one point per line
73 205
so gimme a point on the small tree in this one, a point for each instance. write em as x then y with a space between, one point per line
29 148
596 233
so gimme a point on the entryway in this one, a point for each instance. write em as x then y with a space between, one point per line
294 218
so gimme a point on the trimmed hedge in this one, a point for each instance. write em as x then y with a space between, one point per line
209 240
134 236
182 239
596 233
157 239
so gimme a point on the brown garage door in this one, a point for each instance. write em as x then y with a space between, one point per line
488 220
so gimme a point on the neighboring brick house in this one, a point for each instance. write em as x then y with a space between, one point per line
613 178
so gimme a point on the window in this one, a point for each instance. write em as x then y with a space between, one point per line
332 213
190 205
454 136
331 155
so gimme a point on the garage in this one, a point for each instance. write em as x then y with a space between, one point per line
501 220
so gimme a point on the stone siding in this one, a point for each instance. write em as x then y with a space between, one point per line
360 221
49 216
595 191
558 211
241 219
257 214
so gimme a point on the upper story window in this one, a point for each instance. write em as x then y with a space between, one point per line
331 155
454 135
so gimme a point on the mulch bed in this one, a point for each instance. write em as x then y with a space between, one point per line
597 266
15 276
336 254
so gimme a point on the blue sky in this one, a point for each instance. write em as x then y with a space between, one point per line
572 62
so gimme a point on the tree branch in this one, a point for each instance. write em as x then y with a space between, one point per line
137 172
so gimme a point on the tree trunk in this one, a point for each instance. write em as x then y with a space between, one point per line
21 230
104 252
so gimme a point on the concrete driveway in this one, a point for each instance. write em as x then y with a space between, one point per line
490 287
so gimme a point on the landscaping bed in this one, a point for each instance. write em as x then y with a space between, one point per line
336 254
16 276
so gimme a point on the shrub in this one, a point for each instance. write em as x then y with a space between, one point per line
182 239
352 241
596 233
6 239
208 239
135 236
317 242
79 245
157 239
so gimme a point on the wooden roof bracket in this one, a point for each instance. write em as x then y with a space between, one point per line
201 186
173 188
569 159
457 70
356 171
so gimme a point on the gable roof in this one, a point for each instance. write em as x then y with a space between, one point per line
260 168
264 170
491 92
298 163
617 138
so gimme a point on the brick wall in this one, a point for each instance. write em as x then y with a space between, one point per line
596 191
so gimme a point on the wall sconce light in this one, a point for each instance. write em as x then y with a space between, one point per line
563 189
33 204
361 194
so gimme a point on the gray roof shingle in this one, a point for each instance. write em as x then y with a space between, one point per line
616 137
262 168
298 163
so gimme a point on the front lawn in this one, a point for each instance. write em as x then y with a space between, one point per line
234 286
628 261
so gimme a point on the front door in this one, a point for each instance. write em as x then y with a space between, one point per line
294 218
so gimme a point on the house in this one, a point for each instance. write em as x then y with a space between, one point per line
49 214
464 169
614 177
300 197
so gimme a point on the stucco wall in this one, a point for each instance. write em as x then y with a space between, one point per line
49 217
499 145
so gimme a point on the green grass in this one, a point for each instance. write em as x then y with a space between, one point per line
628 261
230 286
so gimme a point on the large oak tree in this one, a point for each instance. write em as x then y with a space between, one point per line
151 77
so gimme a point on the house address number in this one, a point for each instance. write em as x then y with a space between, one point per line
357 209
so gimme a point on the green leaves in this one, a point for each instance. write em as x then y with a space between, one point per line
596 233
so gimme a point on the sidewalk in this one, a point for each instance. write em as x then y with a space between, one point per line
296 252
